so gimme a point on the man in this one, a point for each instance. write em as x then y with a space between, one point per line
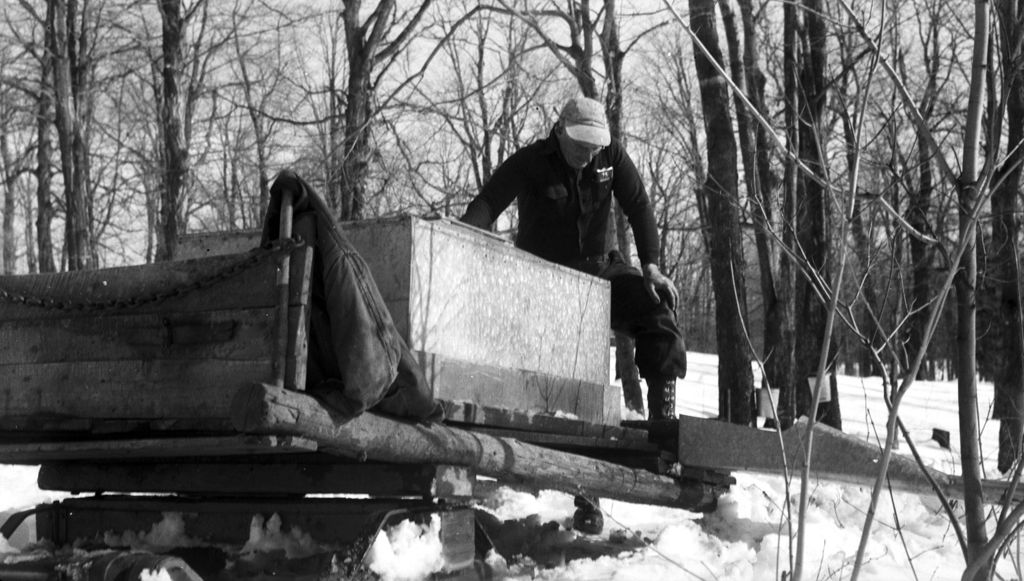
564 186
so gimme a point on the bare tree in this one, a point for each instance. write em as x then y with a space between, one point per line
1004 257
370 53
484 101
15 155
171 110
44 150
71 75
813 213
760 182
720 198
261 66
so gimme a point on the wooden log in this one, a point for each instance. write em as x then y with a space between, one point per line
270 410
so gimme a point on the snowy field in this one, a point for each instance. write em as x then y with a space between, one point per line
747 538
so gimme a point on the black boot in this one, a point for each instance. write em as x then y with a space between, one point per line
588 518
661 398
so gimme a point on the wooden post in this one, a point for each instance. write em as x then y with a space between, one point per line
283 270
269 409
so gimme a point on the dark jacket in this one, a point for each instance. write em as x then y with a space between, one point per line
564 214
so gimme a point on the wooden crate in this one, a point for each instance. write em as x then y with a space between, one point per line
166 345
490 324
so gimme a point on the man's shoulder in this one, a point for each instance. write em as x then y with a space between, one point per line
539 147
528 155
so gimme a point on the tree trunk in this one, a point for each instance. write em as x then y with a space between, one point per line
787 273
175 148
754 146
356 150
813 214
74 167
9 171
44 152
735 379
966 281
1008 377
625 346
260 135
335 153
920 253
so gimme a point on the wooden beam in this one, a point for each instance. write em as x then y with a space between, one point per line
592 443
227 520
836 456
270 476
123 367
231 282
463 412
267 409
232 335
488 384
35 453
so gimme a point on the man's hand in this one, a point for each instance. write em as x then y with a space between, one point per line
655 281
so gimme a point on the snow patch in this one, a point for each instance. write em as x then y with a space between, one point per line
407 551
162 536
266 536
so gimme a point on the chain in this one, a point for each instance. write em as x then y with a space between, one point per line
253 258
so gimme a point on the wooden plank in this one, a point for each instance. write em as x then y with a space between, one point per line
44 428
127 389
127 449
126 375
251 284
562 441
226 521
463 412
300 286
520 389
836 456
458 540
270 410
223 334
279 475
202 244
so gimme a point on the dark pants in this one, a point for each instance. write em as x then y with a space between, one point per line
660 347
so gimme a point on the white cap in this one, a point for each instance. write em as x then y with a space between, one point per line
584 120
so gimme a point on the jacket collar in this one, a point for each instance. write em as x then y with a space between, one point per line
550 144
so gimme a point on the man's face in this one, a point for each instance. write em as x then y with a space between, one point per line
576 153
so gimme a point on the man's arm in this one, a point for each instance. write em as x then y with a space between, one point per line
478 213
629 191
632 197
496 195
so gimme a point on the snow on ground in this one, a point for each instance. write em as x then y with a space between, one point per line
745 539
